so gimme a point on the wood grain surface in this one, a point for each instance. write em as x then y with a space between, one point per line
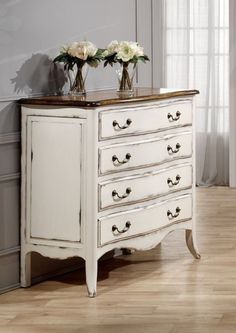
108 97
163 290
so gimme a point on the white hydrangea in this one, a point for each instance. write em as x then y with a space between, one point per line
82 50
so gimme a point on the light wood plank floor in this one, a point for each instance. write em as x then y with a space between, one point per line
163 290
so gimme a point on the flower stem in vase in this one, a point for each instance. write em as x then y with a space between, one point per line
126 82
78 87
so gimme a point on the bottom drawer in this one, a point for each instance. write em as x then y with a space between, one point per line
115 227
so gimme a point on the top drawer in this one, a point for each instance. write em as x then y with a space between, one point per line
141 120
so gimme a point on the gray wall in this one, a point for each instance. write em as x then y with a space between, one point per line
31 33
9 194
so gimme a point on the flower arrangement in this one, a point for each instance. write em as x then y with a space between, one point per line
77 55
124 53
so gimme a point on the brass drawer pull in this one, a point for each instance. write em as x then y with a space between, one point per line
125 160
173 216
116 231
174 150
127 193
116 125
171 183
172 118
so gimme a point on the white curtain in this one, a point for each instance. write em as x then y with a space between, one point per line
196 55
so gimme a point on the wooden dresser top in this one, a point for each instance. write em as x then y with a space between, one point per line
108 97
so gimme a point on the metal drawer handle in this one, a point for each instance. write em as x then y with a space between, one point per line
116 231
125 160
172 118
116 125
171 183
172 150
127 193
173 216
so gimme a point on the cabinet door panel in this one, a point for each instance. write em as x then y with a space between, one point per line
56 148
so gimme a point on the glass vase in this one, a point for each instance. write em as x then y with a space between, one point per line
77 78
125 74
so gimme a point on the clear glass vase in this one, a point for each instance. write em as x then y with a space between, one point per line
125 74
77 78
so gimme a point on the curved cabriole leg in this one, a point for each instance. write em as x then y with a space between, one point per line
191 244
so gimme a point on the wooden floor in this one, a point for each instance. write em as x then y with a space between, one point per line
163 290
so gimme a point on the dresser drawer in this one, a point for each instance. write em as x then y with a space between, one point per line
128 190
148 119
144 220
138 154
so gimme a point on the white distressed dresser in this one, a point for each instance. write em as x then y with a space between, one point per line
102 172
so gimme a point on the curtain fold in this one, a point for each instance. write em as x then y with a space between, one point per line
196 54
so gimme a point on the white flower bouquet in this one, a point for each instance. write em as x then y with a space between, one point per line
124 53
77 55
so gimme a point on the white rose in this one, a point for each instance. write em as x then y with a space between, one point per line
113 47
126 51
77 50
138 50
91 48
82 50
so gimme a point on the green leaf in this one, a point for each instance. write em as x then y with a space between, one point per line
99 53
93 62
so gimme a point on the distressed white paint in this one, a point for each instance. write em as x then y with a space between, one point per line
157 119
55 178
145 153
144 220
144 186
76 133
28 45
